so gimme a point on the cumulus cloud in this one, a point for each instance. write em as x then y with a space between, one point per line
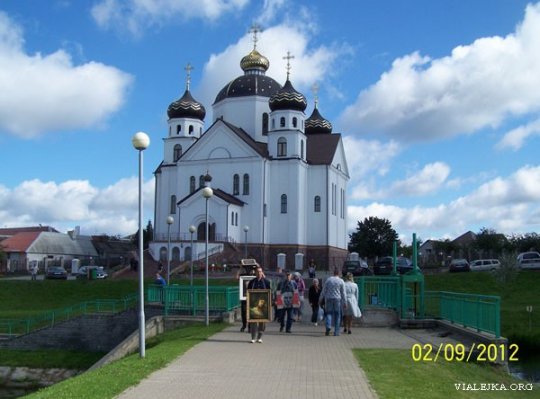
310 64
56 93
477 86
515 138
505 204
112 210
137 15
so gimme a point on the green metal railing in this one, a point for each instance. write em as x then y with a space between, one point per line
192 300
380 292
480 312
14 327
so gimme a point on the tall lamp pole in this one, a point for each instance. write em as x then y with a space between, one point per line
141 141
207 194
192 230
246 229
170 220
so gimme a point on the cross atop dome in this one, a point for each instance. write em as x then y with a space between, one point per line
255 29
315 90
188 70
288 57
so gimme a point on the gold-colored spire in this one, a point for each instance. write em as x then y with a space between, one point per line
188 70
288 57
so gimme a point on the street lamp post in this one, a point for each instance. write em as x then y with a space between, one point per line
192 230
207 194
246 229
140 142
170 220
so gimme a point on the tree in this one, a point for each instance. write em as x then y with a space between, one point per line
490 243
148 235
373 237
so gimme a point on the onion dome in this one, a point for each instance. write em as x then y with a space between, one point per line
254 60
287 98
253 82
316 124
186 107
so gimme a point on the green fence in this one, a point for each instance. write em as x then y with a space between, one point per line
16 327
380 292
192 300
480 312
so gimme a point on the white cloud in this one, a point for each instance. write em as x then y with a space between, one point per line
505 204
515 138
112 210
270 10
309 65
426 181
137 15
476 86
57 94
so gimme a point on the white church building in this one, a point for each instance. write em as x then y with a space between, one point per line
279 178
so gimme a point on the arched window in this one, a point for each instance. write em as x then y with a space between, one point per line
294 121
246 184
317 204
178 129
236 218
236 185
173 204
283 203
302 149
282 122
191 184
190 129
232 218
282 147
201 181
273 123
265 123
177 152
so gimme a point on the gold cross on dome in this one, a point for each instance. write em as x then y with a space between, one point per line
288 57
315 90
188 70
255 29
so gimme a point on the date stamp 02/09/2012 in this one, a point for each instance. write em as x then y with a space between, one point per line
457 352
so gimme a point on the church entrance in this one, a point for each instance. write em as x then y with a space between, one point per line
201 232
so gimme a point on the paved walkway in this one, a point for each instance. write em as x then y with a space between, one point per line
304 364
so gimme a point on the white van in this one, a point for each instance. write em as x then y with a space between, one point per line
484 264
528 260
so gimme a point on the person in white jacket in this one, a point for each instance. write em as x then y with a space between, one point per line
351 299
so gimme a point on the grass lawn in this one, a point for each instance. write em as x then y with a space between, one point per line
22 299
515 296
111 380
49 358
393 374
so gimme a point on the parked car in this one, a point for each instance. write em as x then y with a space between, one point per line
528 260
459 265
56 272
356 267
84 270
484 264
385 265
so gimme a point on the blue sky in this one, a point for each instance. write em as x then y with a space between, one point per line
438 102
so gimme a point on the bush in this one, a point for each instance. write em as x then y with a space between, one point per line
508 270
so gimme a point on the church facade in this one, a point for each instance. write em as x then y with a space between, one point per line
279 178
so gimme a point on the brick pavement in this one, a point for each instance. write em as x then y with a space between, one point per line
304 364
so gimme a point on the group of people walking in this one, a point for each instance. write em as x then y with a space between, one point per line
335 302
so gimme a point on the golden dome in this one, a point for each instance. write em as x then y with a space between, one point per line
254 60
